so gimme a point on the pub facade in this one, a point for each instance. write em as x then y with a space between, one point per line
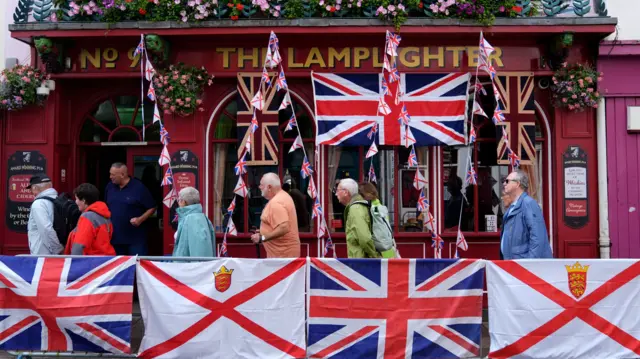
94 117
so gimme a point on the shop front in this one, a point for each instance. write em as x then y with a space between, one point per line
94 117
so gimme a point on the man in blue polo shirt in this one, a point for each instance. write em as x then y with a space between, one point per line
131 204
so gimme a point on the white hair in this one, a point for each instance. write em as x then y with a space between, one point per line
350 186
271 179
189 195
42 186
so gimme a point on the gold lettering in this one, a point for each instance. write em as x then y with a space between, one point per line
110 56
226 55
457 51
415 59
94 58
359 54
315 58
376 58
292 59
428 57
472 56
497 57
344 56
134 59
242 58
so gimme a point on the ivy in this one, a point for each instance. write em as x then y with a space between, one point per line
41 9
601 8
553 7
21 14
581 7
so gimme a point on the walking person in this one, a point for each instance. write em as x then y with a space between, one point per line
278 222
40 231
92 235
195 236
381 231
357 221
524 233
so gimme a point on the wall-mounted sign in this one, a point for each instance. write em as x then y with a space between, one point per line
184 165
576 203
21 166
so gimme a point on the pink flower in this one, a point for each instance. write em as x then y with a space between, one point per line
22 92
170 88
574 96
198 101
200 109
589 79
167 112
597 94
599 78
183 82
188 99
172 108
564 100
569 88
178 100
167 100
595 106
328 7
175 77
209 82
187 105
583 94
590 90
278 9
4 102
391 7
570 107
571 77
275 14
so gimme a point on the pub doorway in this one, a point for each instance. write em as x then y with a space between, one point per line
112 132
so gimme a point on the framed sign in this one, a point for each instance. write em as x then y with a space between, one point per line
21 166
185 167
576 203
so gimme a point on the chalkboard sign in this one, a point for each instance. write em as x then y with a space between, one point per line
576 203
21 166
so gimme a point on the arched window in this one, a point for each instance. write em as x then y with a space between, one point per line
225 141
119 119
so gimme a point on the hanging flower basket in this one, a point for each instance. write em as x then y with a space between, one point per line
575 87
18 87
179 88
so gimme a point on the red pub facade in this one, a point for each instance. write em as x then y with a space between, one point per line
93 118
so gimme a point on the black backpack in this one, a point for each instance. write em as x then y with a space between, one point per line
65 216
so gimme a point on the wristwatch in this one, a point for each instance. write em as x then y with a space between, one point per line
262 239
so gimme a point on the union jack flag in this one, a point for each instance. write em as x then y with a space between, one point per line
489 69
413 159
372 131
472 135
479 87
394 75
384 87
409 295
328 243
168 177
223 247
423 204
404 118
151 94
241 166
472 176
292 122
164 135
317 209
372 174
281 81
514 160
254 123
346 108
306 170
232 206
498 115
140 48
437 244
64 304
273 41
265 77
485 47
393 41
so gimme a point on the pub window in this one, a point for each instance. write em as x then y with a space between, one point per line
225 156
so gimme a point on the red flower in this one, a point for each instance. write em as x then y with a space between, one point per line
239 7
142 11
421 5
230 5
333 9
517 8
234 17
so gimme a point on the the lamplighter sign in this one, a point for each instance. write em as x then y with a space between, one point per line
22 165
576 203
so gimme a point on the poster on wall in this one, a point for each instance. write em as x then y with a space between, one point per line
184 164
21 166
576 203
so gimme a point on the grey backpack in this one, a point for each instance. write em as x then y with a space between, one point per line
381 228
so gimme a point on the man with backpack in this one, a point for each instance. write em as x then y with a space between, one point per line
381 230
52 217
42 236
357 221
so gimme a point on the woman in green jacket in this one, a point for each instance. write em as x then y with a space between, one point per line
195 236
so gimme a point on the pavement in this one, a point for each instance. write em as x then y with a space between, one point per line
137 331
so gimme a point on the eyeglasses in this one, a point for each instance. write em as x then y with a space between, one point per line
506 180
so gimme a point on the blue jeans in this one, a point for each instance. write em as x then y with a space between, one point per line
131 249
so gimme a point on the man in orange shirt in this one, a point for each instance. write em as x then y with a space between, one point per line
92 235
279 223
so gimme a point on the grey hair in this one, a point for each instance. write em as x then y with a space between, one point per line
522 178
272 179
350 186
43 186
190 195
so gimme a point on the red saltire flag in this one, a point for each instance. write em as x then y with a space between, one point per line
477 109
437 244
372 174
297 143
485 47
479 87
188 306
383 108
232 206
286 102
430 223
231 228
408 138
258 100
241 188
461 242
419 182
149 71
156 113
170 198
372 150
386 64
164 159
311 189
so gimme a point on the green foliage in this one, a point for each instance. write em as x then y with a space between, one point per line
553 7
581 7
18 87
575 87
21 14
179 87
294 9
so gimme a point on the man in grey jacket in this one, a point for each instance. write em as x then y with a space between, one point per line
42 236
524 234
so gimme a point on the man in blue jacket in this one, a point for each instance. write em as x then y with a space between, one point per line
524 234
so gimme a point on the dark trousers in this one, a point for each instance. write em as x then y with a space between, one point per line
131 249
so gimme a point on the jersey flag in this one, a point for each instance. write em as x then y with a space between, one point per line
65 304
227 308
401 308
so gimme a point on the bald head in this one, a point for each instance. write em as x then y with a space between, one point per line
119 174
270 185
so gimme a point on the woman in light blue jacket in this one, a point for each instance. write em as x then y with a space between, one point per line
195 236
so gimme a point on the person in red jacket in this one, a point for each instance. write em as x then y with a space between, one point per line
92 235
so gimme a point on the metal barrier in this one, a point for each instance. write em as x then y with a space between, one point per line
136 317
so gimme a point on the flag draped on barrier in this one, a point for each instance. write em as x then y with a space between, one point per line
228 308
64 304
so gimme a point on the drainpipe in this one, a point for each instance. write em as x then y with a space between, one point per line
603 195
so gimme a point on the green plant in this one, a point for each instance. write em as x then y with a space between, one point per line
18 87
179 87
575 87
294 9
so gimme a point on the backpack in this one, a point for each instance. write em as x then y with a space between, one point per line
381 229
65 216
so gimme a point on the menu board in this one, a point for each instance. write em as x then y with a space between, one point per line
21 166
